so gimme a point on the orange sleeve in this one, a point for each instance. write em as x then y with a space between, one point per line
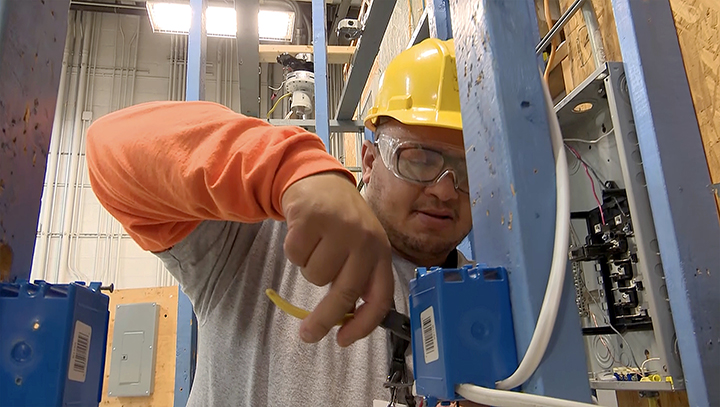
161 168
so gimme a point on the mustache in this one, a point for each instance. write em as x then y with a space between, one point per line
435 206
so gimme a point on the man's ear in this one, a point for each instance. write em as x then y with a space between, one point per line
369 154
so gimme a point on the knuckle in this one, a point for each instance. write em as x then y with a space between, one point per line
316 277
347 296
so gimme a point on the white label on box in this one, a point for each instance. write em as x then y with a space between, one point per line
429 336
77 368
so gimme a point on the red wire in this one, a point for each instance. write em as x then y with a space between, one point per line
592 183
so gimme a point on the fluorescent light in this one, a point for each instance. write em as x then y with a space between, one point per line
221 21
174 18
276 25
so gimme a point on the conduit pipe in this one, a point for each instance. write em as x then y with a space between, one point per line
75 151
48 199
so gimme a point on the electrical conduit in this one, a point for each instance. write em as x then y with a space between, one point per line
48 200
75 151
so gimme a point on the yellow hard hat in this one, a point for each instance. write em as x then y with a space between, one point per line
420 87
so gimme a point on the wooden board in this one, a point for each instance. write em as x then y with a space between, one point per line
163 393
579 64
698 26
665 399
336 54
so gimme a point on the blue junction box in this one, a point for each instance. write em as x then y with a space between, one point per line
462 329
52 344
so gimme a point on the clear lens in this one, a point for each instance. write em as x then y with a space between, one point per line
422 164
419 164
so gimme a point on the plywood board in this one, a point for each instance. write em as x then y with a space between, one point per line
698 26
580 64
665 399
336 54
163 394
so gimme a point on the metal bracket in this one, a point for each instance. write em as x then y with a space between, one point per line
350 29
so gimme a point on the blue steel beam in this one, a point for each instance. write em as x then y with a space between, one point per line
376 21
512 178
186 341
322 119
439 19
185 350
30 64
676 174
197 48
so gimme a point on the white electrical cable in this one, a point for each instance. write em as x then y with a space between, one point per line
503 398
642 367
553 292
597 140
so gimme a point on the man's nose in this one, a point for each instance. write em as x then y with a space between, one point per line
444 188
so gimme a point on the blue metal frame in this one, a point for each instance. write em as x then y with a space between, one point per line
185 350
683 205
197 48
512 178
439 19
30 64
319 22
186 341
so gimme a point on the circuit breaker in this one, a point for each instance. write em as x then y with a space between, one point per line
617 269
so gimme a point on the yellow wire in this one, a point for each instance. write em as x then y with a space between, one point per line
292 310
277 102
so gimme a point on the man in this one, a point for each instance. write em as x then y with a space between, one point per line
234 206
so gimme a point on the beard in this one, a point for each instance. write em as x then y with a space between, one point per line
416 246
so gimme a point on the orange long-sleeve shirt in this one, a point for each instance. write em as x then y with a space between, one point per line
161 168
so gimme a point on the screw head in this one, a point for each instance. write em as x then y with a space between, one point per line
114 348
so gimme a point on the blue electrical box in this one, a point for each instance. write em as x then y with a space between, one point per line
53 340
462 329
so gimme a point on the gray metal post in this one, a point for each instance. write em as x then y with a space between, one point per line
248 42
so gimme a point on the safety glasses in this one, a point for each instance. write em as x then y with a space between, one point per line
423 163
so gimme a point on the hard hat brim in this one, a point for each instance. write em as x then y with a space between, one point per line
419 117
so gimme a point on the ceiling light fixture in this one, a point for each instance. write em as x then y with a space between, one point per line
174 18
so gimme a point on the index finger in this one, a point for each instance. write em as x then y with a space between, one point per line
352 282
378 301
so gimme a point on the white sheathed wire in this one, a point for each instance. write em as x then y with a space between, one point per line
503 398
597 140
553 292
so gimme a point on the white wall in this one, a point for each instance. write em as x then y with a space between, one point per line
127 64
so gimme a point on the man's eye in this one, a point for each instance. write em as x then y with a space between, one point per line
421 157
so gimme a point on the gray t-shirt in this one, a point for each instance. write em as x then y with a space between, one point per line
249 351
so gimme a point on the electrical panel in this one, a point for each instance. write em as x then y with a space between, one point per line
132 362
617 271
